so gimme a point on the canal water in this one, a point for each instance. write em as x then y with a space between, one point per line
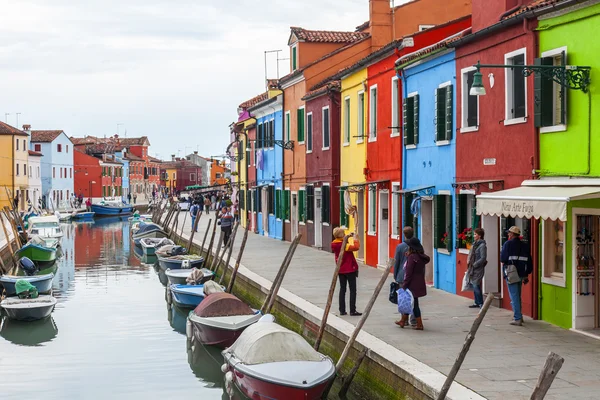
112 334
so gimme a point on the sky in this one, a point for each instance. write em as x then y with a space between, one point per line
173 70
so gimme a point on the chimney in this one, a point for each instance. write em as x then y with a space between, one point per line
172 157
380 21
27 129
196 153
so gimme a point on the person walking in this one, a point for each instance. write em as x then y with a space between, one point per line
414 279
129 198
400 258
134 198
88 205
516 266
207 205
348 269
476 262
226 222
194 213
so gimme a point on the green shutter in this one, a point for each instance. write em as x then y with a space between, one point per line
440 114
300 124
449 115
461 215
439 221
416 119
286 205
287 127
448 201
301 209
405 122
475 219
294 58
543 96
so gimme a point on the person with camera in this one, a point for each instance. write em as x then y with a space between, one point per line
348 269
516 266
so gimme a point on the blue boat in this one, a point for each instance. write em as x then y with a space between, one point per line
179 262
112 208
43 283
187 296
148 230
84 216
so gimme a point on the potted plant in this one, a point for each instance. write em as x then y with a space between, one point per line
466 237
445 239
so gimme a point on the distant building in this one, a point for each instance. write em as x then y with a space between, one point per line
204 179
34 191
13 165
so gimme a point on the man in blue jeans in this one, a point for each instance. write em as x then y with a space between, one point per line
194 210
515 252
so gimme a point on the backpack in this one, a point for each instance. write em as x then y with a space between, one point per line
194 210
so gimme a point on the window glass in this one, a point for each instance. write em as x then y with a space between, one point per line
372 211
326 128
554 247
516 87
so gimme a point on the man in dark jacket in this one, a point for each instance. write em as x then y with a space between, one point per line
400 261
517 253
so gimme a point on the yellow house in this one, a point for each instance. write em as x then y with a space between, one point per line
243 154
170 176
353 147
14 153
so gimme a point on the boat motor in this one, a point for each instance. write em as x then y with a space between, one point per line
28 266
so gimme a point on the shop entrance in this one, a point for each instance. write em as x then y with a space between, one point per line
585 261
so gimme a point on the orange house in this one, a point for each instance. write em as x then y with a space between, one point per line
219 173
315 56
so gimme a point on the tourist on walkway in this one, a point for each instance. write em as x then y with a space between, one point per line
134 198
516 253
400 258
194 213
226 221
207 204
476 262
414 279
348 269
129 198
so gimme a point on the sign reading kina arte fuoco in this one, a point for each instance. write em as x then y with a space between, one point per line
517 207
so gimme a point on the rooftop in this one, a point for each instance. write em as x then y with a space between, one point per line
35 153
532 6
255 100
6 129
305 35
45 136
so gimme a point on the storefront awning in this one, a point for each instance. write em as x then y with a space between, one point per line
422 190
547 202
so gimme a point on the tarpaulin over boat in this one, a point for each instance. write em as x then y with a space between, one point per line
222 305
145 227
24 288
266 342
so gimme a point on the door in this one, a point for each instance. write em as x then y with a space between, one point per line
251 213
427 238
383 230
265 210
491 279
294 216
361 223
317 220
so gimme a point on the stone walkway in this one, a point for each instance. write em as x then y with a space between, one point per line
504 361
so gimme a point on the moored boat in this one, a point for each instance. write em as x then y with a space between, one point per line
269 361
171 250
37 252
43 283
187 296
46 227
150 245
149 230
220 319
180 276
179 262
111 208
84 215
28 309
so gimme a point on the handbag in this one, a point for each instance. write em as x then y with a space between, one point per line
512 274
405 301
394 286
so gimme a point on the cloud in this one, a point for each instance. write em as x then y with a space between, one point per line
172 70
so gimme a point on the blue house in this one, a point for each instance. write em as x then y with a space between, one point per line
429 154
268 193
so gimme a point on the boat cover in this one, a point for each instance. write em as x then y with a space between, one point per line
147 227
37 241
212 287
222 305
266 342
171 250
26 289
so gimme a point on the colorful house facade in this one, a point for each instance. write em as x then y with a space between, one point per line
34 191
13 164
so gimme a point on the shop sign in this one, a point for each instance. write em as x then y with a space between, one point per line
518 207
489 161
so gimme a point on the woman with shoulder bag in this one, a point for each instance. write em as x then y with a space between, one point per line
476 263
414 279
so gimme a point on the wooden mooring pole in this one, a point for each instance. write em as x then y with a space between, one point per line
286 266
205 235
229 249
217 251
347 380
237 262
553 364
287 255
466 346
330 295
210 246
182 226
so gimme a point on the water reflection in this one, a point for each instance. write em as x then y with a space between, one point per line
28 333
177 318
205 363
65 266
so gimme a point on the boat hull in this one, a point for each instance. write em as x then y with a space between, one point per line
168 263
38 254
258 388
221 337
84 215
157 234
43 283
185 299
29 309
101 210
176 278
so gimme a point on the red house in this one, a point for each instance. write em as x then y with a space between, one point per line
88 175
496 145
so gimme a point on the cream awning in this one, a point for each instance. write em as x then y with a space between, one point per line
546 202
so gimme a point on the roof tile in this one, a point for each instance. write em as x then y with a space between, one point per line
254 100
327 36
35 153
533 6
6 129
45 136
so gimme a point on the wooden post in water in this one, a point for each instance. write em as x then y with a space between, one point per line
330 295
213 257
287 255
466 347
287 264
218 252
205 235
347 380
182 226
230 250
237 262
553 364
212 239
173 229
8 241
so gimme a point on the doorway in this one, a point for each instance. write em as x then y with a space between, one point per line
294 216
427 238
586 313
317 220
491 279
360 205
383 234
265 210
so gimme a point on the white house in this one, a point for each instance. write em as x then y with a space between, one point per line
34 191
56 166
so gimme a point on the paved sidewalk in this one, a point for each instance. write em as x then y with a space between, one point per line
504 361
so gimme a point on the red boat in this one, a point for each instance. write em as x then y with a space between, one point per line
270 362
220 319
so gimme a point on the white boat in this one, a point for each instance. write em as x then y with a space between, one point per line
28 309
45 227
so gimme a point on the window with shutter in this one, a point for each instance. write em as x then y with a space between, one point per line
271 199
470 104
550 111
462 223
372 211
272 133
439 221
347 120
302 206
396 206
373 113
410 118
278 204
309 132
361 117
310 203
440 114
416 119
448 215
300 125
343 216
395 106
287 126
286 205
449 112
516 103
326 128
294 58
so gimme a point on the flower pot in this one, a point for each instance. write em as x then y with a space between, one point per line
469 246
